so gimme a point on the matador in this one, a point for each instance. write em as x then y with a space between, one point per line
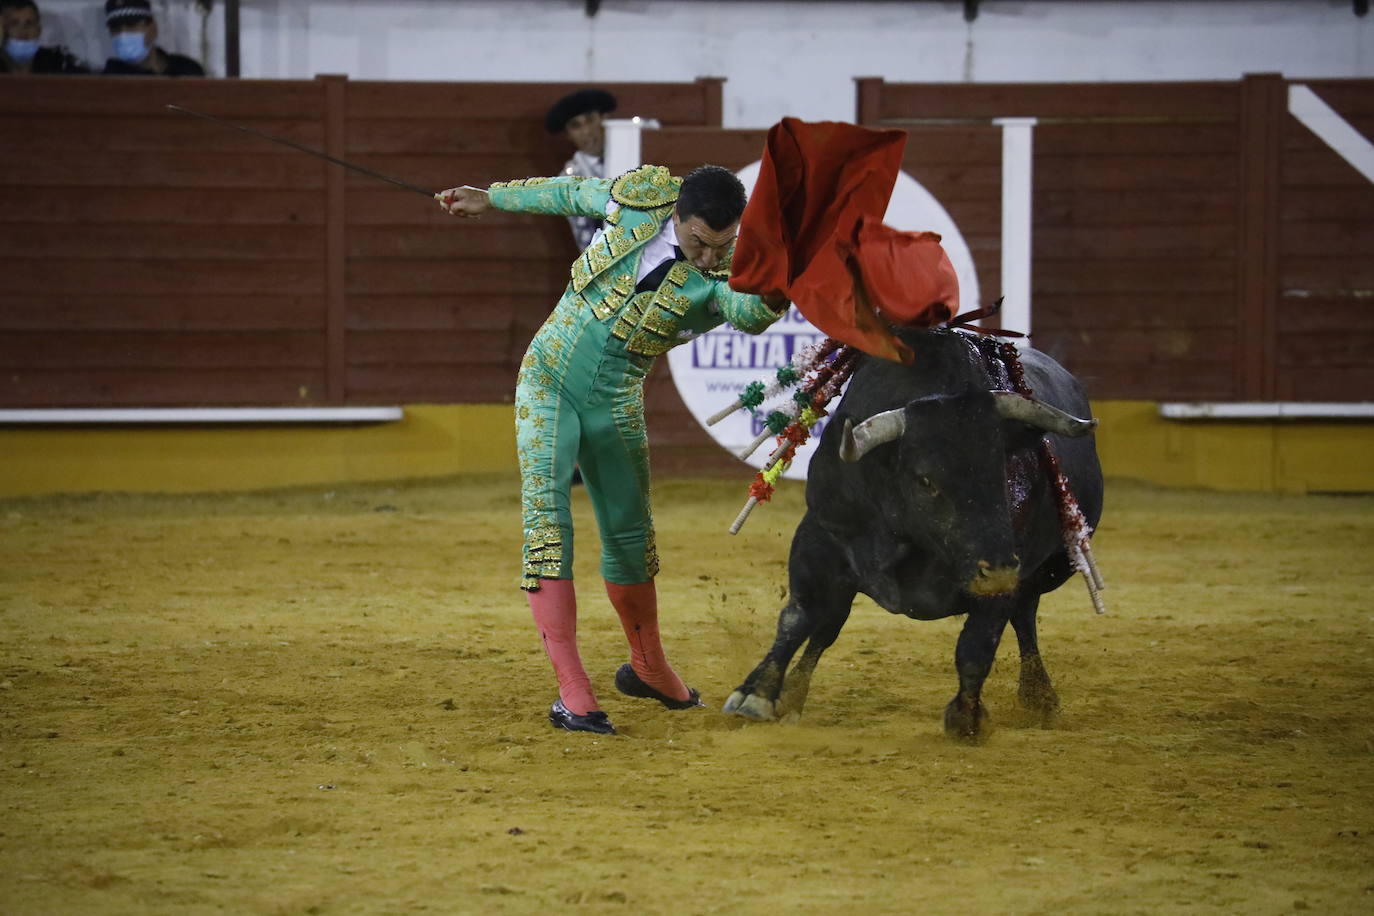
654 277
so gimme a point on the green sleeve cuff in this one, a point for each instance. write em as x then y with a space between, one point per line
745 312
566 195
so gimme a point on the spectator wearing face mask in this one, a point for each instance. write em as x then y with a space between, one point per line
22 28
133 33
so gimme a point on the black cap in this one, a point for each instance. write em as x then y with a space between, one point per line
127 11
574 104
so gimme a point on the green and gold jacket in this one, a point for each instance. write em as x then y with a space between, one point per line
688 302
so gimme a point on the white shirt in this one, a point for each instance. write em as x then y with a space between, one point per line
657 250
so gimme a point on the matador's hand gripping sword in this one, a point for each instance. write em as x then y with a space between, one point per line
305 149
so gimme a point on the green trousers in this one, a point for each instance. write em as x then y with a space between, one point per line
579 403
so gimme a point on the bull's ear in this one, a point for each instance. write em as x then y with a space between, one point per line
887 426
1035 413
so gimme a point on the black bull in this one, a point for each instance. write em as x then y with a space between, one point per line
929 494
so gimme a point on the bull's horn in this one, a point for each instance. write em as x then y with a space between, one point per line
1041 415
887 426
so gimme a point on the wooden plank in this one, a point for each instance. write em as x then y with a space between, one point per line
162 313
1154 138
429 384
477 277
1319 168
671 103
1329 314
162 278
157 242
436 172
1123 312
335 244
868 98
515 314
1325 274
1327 383
1168 173
1263 108
688 147
378 205
712 100
1303 348
143 387
140 206
1059 100
1177 346
57 350
1353 203
958 181
132 134
1192 381
1350 97
931 147
467 351
485 136
1196 240
462 239
1113 207
1072 277
78 168
100 95
1328 238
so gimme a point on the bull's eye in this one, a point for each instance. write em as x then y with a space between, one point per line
924 481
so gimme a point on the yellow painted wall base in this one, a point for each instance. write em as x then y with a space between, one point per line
435 440
1291 456
430 441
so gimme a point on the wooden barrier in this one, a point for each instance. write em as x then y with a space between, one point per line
157 260
1191 241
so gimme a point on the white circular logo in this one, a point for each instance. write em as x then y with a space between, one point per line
711 370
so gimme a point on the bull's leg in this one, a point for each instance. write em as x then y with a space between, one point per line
965 716
798 682
822 591
1035 692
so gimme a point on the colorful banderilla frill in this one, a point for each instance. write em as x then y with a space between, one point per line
821 369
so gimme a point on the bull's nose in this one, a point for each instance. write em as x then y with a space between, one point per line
995 580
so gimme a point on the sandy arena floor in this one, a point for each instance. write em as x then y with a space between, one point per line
329 702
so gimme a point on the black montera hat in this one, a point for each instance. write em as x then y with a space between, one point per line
127 11
576 103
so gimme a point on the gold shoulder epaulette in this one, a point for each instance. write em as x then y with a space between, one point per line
645 188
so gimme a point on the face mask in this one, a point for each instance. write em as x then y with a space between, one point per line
20 51
129 47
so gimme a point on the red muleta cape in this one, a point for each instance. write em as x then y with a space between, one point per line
813 232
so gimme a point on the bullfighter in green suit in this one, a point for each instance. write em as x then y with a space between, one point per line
655 277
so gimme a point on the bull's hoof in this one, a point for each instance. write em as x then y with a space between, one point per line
966 722
751 706
1041 700
1036 693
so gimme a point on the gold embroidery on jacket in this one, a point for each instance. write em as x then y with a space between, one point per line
645 188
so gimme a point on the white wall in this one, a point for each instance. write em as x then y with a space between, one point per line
780 58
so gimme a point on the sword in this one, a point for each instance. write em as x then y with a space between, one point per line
305 149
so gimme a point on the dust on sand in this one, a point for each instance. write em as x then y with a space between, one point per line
318 701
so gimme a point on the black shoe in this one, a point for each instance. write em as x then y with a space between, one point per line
595 721
628 683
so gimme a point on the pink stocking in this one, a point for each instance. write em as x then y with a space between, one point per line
554 607
637 606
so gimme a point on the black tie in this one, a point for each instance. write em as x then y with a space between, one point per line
654 277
